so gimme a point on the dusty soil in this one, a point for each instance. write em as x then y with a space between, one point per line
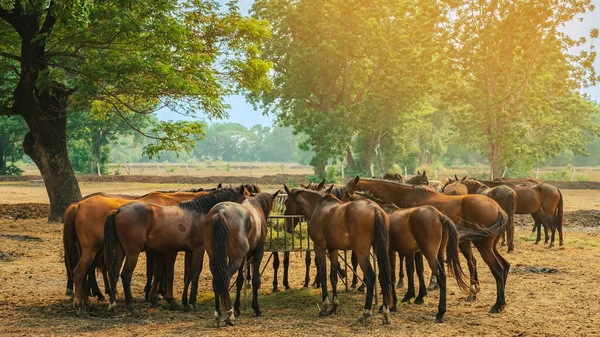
550 292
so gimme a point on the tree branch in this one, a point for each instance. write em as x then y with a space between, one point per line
10 56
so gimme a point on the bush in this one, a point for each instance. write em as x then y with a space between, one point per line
563 175
292 183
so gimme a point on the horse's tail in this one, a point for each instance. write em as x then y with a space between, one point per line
70 244
111 244
218 260
454 267
381 245
559 214
481 233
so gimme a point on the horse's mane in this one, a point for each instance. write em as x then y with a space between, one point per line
416 180
262 200
204 203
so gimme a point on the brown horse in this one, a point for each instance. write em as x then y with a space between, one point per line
335 225
505 196
234 232
426 231
161 229
468 212
83 237
543 201
519 180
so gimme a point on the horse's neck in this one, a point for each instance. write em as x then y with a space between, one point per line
309 204
387 192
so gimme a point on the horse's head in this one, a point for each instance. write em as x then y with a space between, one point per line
352 185
292 207
419 179
243 194
393 177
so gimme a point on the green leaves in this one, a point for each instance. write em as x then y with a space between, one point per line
173 136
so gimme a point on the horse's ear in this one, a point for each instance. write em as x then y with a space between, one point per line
455 177
275 194
287 190
424 173
321 185
244 191
356 180
464 178
220 185
330 189
302 185
399 177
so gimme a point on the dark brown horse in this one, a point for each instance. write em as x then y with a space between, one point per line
468 212
426 231
234 232
543 201
83 237
505 196
139 226
335 225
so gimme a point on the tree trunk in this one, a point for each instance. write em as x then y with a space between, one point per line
368 155
2 159
96 151
421 150
320 169
350 160
495 160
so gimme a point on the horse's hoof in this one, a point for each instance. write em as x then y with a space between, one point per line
237 312
439 320
69 293
275 290
134 313
187 308
393 308
229 322
361 289
257 313
535 243
101 298
419 300
551 245
316 285
407 298
287 287
471 298
496 309
503 244
174 306
386 320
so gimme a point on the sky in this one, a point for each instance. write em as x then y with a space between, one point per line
244 113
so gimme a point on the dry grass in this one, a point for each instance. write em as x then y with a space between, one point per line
32 300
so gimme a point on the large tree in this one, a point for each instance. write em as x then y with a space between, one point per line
514 84
135 56
347 69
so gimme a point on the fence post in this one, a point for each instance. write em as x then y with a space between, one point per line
537 174
573 174
342 170
504 172
405 171
98 167
372 172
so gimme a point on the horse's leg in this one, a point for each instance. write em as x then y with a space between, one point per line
503 242
321 263
392 257
467 251
505 265
157 276
105 278
307 263
187 279
169 264
361 288
317 281
437 268
369 279
410 273
196 262
486 249
259 252
93 283
286 267
239 283
79 280
126 275
275 269
401 272
422 287
149 274
248 277
333 277
235 263
354 274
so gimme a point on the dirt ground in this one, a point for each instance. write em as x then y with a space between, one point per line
550 292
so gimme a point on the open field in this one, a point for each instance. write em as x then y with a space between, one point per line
564 302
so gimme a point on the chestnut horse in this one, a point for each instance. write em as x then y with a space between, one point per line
505 196
335 225
468 212
136 226
234 232
83 237
426 231
543 201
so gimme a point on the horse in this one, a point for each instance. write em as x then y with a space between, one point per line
468 212
426 231
136 226
505 196
519 180
307 260
545 204
335 225
83 237
236 232
419 179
